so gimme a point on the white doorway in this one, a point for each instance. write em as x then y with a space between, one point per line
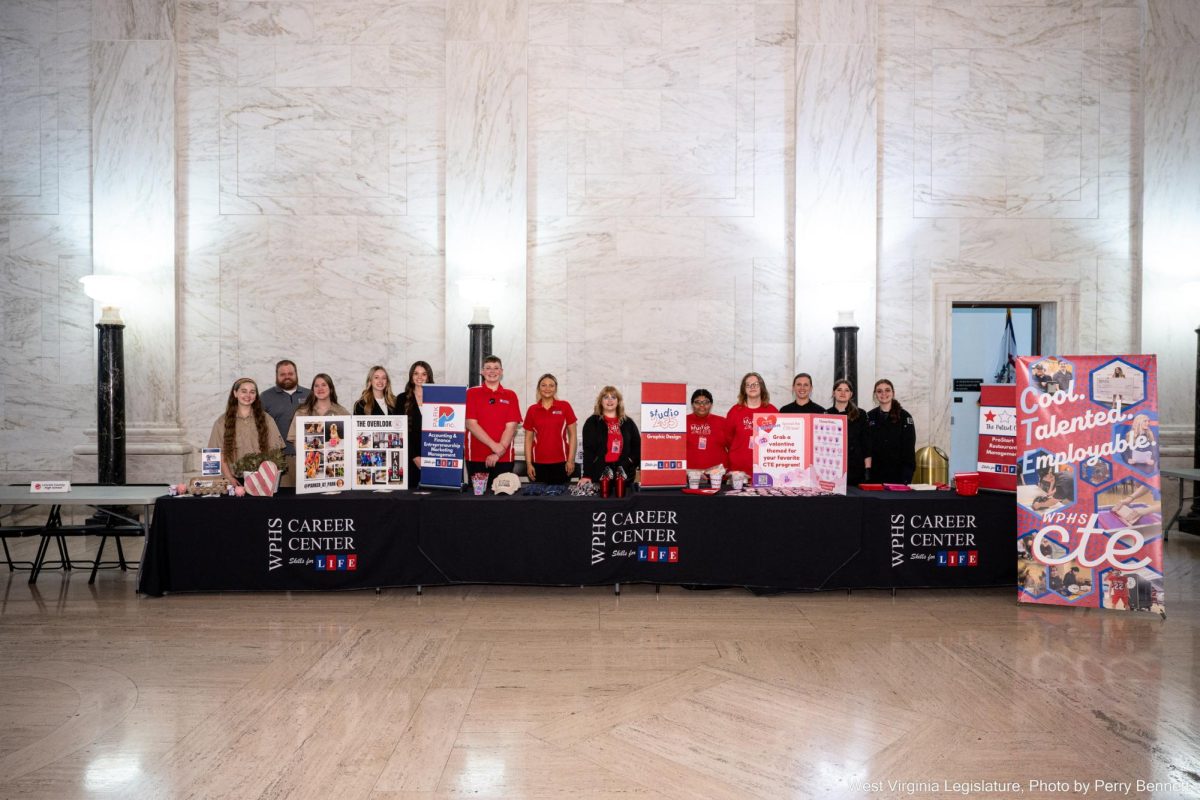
976 354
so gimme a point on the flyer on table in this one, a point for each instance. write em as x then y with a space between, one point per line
800 451
1089 500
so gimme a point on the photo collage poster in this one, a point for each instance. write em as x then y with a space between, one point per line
380 452
800 451
1089 499
344 452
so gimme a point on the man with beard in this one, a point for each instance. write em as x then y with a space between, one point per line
280 402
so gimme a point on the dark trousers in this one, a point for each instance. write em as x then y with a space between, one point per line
551 473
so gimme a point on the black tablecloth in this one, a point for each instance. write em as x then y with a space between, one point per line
353 541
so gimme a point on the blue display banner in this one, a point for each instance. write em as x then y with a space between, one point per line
443 436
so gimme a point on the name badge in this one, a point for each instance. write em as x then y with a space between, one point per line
703 444
616 446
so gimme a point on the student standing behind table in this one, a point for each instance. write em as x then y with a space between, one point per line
550 443
419 374
753 398
802 392
706 433
377 396
892 437
610 439
322 402
280 402
244 428
493 415
857 461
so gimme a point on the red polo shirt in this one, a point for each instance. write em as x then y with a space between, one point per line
492 410
550 428
740 421
705 441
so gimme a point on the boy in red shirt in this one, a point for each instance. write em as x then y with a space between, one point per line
493 415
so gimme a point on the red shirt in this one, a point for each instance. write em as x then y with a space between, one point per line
492 410
549 426
705 441
739 421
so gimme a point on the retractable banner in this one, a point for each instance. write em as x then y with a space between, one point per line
1089 503
664 435
443 436
997 461
800 451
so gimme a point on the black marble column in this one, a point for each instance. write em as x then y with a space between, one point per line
110 405
481 348
845 356
1191 522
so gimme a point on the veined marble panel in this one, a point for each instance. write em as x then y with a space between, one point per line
133 213
836 162
133 19
487 20
486 199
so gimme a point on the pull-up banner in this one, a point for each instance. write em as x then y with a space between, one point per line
1089 504
664 435
443 436
997 463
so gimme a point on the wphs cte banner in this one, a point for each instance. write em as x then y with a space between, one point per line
1089 504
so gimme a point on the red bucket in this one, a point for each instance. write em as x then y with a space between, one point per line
966 483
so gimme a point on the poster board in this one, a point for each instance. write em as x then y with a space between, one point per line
443 436
664 435
380 452
800 451
997 456
1089 499
351 452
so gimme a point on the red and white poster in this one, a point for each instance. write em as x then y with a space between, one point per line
664 435
1089 503
997 462
800 451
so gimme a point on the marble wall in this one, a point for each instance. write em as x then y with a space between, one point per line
47 364
675 191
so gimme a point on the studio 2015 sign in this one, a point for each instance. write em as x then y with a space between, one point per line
1089 502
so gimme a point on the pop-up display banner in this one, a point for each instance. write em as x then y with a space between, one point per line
997 460
360 452
1089 504
443 436
664 435
800 451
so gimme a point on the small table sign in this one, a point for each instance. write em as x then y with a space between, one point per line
37 487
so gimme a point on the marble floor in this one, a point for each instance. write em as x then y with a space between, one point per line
537 693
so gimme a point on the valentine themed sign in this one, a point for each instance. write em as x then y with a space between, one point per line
805 451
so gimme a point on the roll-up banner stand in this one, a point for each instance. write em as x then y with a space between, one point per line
997 459
443 436
1089 502
664 435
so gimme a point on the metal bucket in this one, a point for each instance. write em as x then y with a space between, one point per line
933 466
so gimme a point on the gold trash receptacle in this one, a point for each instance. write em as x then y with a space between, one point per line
933 466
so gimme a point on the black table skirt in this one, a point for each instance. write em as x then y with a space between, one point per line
366 540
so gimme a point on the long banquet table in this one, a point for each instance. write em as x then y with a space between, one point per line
366 540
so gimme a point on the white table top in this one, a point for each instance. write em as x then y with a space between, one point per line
1183 473
83 496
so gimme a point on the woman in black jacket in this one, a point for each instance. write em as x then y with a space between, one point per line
892 437
409 403
857 460
377 396
610 439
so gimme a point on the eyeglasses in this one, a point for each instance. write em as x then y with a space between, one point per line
609 397
753 385
702 402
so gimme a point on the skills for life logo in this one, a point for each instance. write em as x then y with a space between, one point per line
342 562
661 555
